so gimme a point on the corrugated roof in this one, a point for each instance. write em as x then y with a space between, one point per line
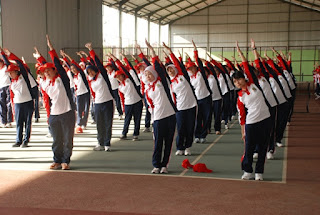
167 11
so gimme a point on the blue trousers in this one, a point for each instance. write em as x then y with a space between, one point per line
83 105
257 133
62 131
35 93
282 119
163 133
92 110
115 94
226 107
217 109
5 105
147 118
104 117
291 103
186 120
134 110
23 116
203 117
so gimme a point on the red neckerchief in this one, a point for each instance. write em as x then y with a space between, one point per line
194 75
123 82
15 79
54 80
76 75
244 91
95 77
175 79
153 85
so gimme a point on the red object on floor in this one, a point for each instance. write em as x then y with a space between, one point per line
201 167
186 164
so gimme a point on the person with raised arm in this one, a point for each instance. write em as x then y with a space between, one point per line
82 93
199 81
131 99
21 96
112 69
103 101
162 109
254 118
62 114
270 97
186 103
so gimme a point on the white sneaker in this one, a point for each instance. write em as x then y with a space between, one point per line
247 176
255 155
187 152
83 127
222 121
233 117
270 156
48 135
179 152
2 125
155 171
258 177
107 148
288 123
135 138
164 170
279 144
98 148
203 140
9 125
120 117
226 126
196 140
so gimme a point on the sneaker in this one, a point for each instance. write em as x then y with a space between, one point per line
179 152
48 135
222 121
196 140
65 166
279 144
120 117
226 126
218 132
123 137
93 123
9 125
258 177
135 138
187 152
107 148
270 156
255 155
288 123
83 127
98 148
203 140
55 166
2 125
247 176
16 144
233 117
146 130
24 145
164 170
155 171
36 120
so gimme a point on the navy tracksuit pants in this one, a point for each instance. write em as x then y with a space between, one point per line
203 117
23 116
35 93
163 133
226 107
282 118
134 110
116 97
5 105
83 105
147 119
186 120
104 117
257 133
291 103
62 131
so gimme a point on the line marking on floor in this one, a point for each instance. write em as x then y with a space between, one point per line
207 149
285 157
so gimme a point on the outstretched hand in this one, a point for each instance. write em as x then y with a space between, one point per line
89 46
49 43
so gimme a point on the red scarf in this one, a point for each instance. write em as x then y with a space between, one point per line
175 79
151 86
194 75
54 80
15 79
244 91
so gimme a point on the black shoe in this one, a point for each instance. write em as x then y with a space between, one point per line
16 145
24 145
36 120
123 137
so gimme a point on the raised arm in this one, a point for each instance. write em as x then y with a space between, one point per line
141 55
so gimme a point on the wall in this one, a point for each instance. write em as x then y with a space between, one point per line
69 23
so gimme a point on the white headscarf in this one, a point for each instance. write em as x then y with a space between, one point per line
175 69
153 71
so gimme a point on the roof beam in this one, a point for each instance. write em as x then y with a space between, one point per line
162 8
142 6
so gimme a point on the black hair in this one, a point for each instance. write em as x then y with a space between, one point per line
94 68
237 75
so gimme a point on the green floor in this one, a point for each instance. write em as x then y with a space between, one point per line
221 153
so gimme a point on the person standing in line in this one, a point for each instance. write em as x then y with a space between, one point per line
163 111
21 96
254 118
186 103
62 114
5 104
